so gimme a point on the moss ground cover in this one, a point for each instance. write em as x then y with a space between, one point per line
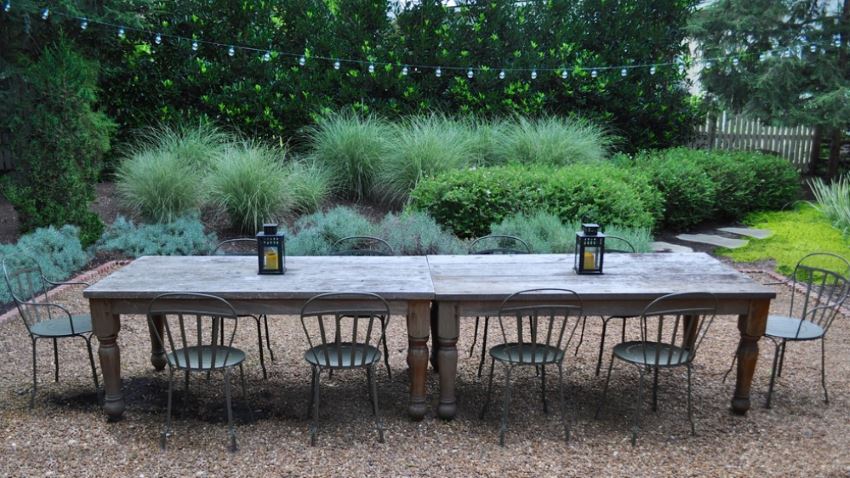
796 233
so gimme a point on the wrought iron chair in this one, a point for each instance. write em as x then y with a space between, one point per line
621 245
248 247
45 319
366 246
670 336
192 344
490 245
817 295
534 329
340 328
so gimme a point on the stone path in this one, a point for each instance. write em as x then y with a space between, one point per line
745 231
714 240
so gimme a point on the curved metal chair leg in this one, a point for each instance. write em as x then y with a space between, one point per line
260 342
314 427
655 389
503 427
638 407
386 349
231 430
623 336
312 387
601 344
690 405
781 358
489 390
564 422
732 366
268 337
484 344
167 431
55 361
379 424
823 368
474 336
581 335
34 374
605 388
543 389
772 375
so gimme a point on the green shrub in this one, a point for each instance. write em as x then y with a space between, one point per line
314 234
469 201
546 233
834 201
423 147
777 182
182 237
309 185
59 141
734 183
350 147
551 140
689 192
58 252
416 233
250 183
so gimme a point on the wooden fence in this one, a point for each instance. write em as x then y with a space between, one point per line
729 132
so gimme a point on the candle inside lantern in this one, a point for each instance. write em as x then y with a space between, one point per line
589 261
271 258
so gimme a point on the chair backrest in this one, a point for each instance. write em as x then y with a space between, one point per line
361 246
538 319
335 320
187 324
29 291
819 290
245 246
680 320
618 244
499 244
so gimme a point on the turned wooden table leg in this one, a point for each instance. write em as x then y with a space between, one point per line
752 328
155 327
418 330
446 340
106 326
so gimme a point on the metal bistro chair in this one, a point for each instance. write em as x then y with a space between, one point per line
621 246
45 319
489 245
670 335
191 341
367 246
248 247
340 328
811 313
534 330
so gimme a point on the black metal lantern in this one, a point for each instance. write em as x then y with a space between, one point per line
271 250
590 249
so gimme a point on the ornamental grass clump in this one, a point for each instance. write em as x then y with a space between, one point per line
309 184
249 182
551 140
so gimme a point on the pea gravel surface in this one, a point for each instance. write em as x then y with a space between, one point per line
66 434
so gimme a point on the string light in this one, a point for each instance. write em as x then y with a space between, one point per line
813 48
302 60
158 39
267 56
564 74
594 73
121 33
762 57
470 73
371 68
502 75
836 40
45 13
404 70
7 6
84 24
652 70
681 69
438 72
708 65
194 45
231 51
735 61
533 74
623 72
336 64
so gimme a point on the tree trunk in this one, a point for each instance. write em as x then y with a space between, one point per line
814 156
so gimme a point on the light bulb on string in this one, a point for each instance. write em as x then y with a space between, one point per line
735 62
371 67
121 33
194 45
438 72
762 57
533 74
652 70
594 73
157 39
564 74
470 73
267 56
836 40
624 72
404 70
336 64
231 51
302 60
813 48
708 65
681 69
7 5
502 75
84 24
45 13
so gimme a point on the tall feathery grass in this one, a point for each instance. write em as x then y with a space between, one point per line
309 184
350 147
834 201
551 140
249 181
424 146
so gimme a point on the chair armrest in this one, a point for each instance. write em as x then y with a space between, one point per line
66 283
53 306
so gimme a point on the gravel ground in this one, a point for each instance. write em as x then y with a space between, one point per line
67 435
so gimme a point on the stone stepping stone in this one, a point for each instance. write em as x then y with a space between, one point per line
745 231
713 240
660 246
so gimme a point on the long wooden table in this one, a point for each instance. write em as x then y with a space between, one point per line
476 285
403 281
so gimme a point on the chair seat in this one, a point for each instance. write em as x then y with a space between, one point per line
789 328
644 353
344 355
528 354
201 357
61 327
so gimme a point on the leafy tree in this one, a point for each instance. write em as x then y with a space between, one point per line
791 60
